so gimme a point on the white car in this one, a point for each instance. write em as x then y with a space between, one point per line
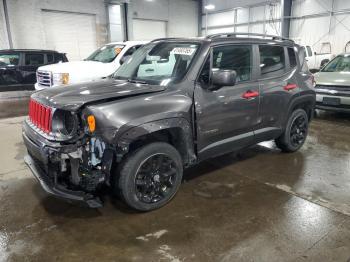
316 61
101 63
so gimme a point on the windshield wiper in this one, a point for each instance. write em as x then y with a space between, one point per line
130 80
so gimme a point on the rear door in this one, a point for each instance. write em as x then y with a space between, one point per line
278 83
225 120
32 60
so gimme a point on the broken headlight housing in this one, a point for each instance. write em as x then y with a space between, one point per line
64 124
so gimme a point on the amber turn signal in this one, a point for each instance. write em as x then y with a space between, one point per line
92 123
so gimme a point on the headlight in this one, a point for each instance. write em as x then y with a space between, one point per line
60 78
64 123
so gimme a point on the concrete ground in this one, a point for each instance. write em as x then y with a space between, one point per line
258 205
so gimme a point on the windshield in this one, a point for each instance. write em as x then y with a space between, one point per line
158 63
105 54
338 64
9 59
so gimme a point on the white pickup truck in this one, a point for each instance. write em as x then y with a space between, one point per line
101 63
316 61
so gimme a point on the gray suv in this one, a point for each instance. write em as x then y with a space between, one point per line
174 103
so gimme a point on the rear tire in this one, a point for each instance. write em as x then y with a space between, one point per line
295 132
150 177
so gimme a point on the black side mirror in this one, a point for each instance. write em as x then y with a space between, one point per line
124 59
223 77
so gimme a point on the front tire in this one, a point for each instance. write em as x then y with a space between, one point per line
295 132
150 177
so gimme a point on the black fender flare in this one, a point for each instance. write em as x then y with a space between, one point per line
309 98
181 125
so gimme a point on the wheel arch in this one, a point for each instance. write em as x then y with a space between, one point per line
305 102
175 131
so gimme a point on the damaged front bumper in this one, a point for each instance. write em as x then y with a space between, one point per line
78 182
58 190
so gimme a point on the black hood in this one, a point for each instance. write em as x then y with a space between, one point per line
73 97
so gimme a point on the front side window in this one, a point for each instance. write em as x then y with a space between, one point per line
106 54
159 63
234 57
272 60
34 59
59 58
339 64
9 59
50 59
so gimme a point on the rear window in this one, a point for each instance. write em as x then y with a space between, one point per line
34 59
272 60
292 57
9 59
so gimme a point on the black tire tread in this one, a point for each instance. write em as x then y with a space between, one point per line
283 142
128 165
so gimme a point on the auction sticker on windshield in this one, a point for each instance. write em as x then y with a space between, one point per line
183 51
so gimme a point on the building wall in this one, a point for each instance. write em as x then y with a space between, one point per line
181 16
312 24
26 24
251 16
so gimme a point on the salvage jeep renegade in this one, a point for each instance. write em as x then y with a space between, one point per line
174 103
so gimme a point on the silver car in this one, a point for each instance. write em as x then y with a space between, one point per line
333 85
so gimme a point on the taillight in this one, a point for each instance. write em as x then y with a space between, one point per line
40 115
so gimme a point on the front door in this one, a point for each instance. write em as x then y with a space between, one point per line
31 63
10 76
226 117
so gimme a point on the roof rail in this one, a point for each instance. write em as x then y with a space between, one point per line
165 38
233 35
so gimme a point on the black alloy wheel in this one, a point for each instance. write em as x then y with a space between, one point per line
155 178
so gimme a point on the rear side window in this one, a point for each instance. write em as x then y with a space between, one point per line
272 60
50 59
59 58
292 57
131 50
34 59
234 57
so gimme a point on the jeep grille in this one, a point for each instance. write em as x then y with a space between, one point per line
40 116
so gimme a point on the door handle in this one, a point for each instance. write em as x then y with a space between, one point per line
290 87
250 94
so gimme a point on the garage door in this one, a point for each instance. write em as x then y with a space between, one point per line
71 33
144 29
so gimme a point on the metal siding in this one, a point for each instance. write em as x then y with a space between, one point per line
321 27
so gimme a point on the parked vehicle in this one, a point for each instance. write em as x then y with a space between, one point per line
175 103
18 67
316 61
333 85
101 63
